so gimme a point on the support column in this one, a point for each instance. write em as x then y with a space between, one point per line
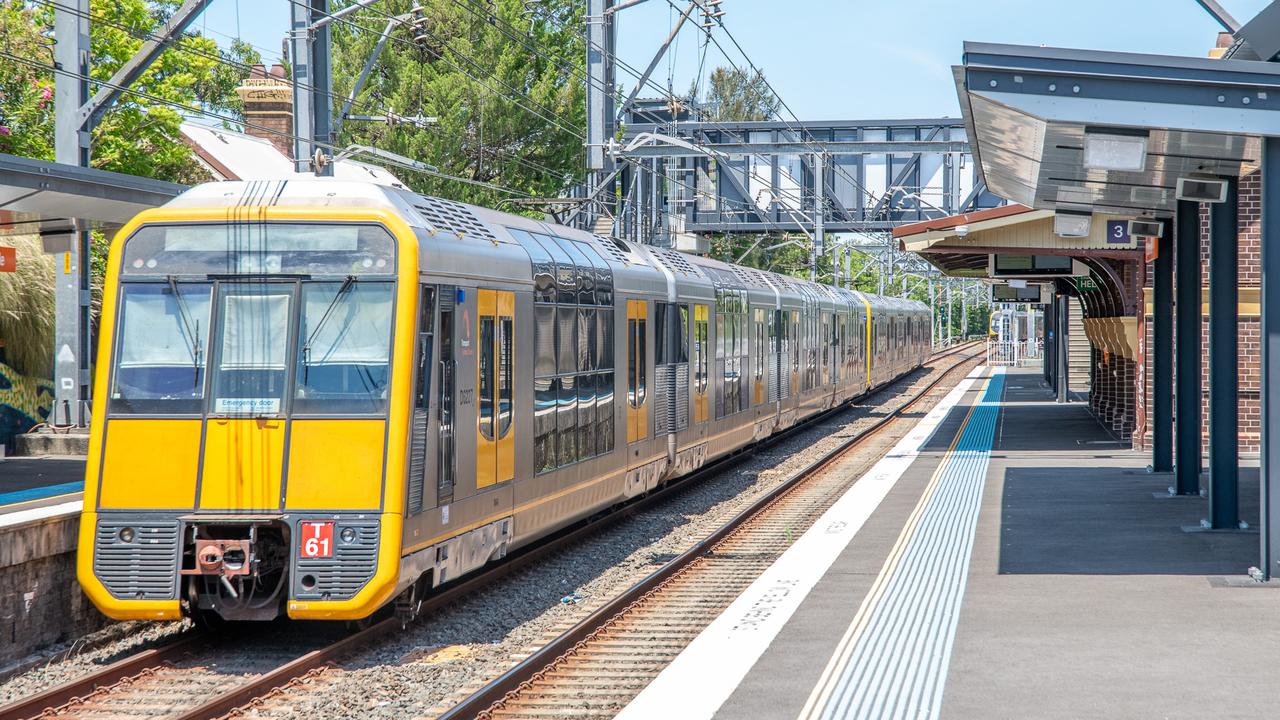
1187 398
1224 374
71 293
1162 356
1062 365
1050 341
1269 479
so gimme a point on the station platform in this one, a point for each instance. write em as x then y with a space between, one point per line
28 483
1024 564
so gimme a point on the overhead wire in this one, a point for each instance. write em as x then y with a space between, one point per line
157 100
546 113
246 68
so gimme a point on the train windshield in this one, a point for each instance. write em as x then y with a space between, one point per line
255 342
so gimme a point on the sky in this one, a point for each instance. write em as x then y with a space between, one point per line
849 59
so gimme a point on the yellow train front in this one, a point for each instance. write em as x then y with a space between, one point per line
313 397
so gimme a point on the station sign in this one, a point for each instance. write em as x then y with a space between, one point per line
8 259
1085 284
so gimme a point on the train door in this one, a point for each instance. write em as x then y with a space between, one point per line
495 357
446 455
701 364
424 430
637 370
759 351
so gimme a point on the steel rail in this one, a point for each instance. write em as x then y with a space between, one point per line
262 686
76 689
511 683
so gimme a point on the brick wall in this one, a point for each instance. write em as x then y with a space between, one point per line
40 601
1250 352
1113 399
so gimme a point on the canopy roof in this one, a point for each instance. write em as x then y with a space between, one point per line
1027 110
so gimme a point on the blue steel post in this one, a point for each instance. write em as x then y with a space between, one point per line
1062 367
1162 365
1187 234
1224 375
1270 472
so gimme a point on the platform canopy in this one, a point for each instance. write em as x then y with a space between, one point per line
1029 110
40 197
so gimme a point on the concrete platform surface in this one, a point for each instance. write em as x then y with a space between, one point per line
1022 567
27 482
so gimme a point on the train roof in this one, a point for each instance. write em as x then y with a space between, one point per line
486 236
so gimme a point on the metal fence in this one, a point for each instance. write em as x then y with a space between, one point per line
1012 353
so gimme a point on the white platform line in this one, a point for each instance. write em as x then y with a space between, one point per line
710 668
22 517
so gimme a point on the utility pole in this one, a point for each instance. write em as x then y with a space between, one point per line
600 83
312 87
964 311
71 147
819 229
75 114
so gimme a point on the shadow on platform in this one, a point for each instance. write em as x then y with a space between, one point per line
1106 521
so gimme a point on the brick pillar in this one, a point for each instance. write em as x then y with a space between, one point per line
268 106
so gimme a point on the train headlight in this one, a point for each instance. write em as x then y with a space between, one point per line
126 534
348 535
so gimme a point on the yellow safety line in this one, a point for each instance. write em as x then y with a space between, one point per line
822 690
10 507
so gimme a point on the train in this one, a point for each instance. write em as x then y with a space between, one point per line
322 399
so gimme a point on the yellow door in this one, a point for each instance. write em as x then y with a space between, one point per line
637 386
495 383
701 361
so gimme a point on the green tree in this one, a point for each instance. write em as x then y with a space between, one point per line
139 135
504 80
734 94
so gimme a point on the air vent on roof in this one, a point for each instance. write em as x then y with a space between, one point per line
615 249
453 217
676 260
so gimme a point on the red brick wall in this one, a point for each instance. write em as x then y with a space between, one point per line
1250 277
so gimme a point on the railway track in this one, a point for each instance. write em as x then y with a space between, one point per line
191 678
596 667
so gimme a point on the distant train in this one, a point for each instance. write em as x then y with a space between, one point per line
314 397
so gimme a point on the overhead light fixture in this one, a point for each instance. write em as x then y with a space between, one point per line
1072 224
1145 227
1202 188
1115 149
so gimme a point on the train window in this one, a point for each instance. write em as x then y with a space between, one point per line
314 249
544 333
588 354
544 267
426 339
545 393
604 338
506 371
604 413
584 271
251 362
567 420
567 320
566 270
661 334
586 416
160 351
486 376
636 361
344 348
641 362
701 351
682 346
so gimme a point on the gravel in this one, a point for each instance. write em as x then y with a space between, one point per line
442 658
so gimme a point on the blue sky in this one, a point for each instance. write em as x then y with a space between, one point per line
853 59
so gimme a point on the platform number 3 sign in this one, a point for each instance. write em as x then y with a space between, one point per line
317 539
1117 232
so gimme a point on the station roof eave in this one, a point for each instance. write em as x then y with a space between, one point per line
41 197
1027 110
961 245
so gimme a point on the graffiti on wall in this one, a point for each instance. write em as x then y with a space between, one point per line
24 401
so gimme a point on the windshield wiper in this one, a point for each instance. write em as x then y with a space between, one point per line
193 330
306 346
